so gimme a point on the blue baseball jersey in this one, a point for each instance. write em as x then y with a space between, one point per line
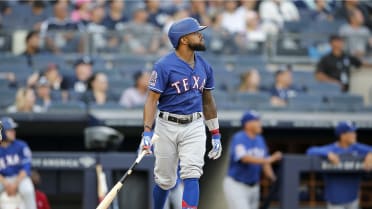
341 188
241 146
14 158
179 85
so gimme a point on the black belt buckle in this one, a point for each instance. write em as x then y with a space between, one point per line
179 120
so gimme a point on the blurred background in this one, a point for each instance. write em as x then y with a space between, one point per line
69 69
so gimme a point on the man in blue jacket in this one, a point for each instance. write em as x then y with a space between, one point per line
342 189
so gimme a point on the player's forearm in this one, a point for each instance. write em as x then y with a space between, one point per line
254 160
149 111
209 105
268 171
21 175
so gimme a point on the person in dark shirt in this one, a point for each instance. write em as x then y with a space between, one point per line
32 46
59 32
115 17
156 15
335 66
78 83
283 88
98 90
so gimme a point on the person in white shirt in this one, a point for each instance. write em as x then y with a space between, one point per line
275 12
136 96
232 20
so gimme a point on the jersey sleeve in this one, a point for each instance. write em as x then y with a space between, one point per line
26 157
238 149
319 151
209 83
159 79
363 149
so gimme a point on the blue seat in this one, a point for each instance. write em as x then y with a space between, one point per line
345 100
323 88
252 100
306 102
107 106
61 107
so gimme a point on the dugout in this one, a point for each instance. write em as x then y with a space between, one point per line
286 131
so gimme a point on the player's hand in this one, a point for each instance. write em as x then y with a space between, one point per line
146 142
10 189
276 157
333 158
368 162
216 151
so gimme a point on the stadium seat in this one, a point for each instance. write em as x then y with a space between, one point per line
107 106
68 107
252 100
347 99
7 98
323 88
305 102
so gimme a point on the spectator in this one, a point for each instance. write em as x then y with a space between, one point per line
275 12
198 11
32 46
253 36
43 93
97 29
98 90
15 170
335 66
41 198
53 77
248 158
62 37
283 89
218 38
250 81
321 12
141 37
357 36
248 7
25 101
115 17
349 5
83 71
37 16
82 11
156 15
232 20
342 189
136 96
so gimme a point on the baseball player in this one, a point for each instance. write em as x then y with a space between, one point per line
341 190
180 87
248 156
15 165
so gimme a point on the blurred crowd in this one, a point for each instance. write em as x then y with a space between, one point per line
140 27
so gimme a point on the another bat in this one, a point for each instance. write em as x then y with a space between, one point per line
115 190
101 183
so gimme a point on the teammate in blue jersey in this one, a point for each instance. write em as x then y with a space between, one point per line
180 88
15 165
248 157
341 190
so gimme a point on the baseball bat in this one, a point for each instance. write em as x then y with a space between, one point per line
115 190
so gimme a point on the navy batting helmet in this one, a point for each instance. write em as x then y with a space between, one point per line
183 27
